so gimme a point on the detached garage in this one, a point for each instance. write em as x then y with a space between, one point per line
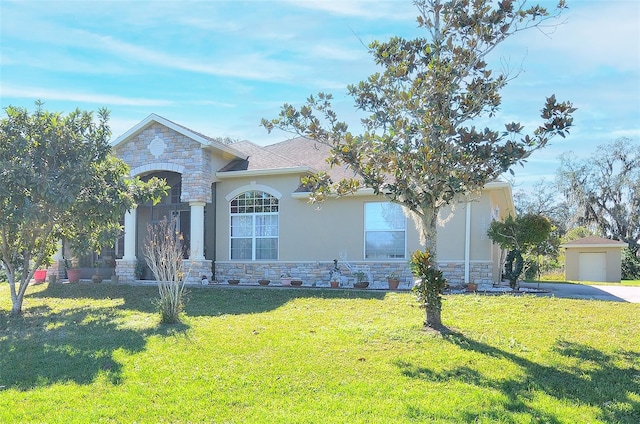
593 259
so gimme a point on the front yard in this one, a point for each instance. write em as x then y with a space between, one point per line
97 353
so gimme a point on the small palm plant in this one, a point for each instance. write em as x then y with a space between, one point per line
429 287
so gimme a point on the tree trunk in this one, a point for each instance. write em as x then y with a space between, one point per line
434 319
430 234
16 297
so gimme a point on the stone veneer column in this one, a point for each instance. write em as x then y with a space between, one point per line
125 267
197 231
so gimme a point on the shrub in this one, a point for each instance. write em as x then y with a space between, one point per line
630 265
163 252
429 287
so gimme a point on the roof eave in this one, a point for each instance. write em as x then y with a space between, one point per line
596 245
265 172
360 192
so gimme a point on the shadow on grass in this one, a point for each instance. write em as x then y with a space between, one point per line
77 345
206 302
44 347
601 380
201 301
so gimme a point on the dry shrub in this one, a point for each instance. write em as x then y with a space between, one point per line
163 252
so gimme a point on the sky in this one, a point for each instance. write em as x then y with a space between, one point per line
219 67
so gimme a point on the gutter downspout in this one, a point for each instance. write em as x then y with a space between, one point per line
467 243
214 210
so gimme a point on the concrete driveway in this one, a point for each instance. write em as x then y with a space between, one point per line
580 291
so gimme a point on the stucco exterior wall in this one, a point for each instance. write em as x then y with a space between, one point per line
312 235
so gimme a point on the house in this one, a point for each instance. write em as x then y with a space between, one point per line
245 215
593 259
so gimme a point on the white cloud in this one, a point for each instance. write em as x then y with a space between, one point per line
46 94
368 9
594 34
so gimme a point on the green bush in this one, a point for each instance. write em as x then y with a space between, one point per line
428 289
630 265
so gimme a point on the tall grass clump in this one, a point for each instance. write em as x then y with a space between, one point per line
164 251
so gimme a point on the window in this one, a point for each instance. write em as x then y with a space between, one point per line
254 226
384 231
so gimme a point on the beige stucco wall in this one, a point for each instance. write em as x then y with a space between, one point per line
613 262
335 229
323 232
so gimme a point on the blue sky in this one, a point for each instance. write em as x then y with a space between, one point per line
218 67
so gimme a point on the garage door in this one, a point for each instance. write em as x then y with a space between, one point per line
592 267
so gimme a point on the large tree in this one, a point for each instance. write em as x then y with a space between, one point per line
419 145
58 180
605 189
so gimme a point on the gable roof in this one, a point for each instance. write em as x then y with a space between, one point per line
593 242
311 153
207 142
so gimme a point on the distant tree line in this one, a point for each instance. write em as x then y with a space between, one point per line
598 196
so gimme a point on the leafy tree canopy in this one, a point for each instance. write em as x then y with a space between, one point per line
521 233
58 180
525 234
419 145
605 189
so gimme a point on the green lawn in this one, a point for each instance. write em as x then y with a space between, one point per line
629 283
97 353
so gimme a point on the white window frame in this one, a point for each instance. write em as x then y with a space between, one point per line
367 230
253 237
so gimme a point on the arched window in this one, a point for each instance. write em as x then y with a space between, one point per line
254 226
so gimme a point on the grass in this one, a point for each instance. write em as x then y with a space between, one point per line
97 353
627 283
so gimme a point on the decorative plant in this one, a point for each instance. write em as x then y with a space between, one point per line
139 270
335 273
360 276
163 252
429 287
392 276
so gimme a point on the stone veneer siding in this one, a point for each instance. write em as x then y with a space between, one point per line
195 269
480 273
179 154
316 274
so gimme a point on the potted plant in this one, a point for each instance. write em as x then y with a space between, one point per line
233 281
264 282
393 281
472 287
296 283
335 275
361 280
73 272
285 279
40 275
